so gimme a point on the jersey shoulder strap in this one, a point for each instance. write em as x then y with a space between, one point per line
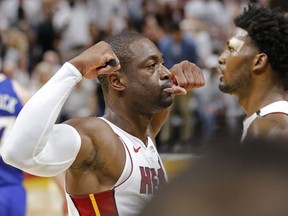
275 107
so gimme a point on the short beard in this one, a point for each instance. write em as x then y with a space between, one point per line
236 86
228 89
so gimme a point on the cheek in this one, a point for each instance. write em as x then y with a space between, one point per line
144 89
240 74
238 66
145 85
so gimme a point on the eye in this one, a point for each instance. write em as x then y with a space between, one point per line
152 65
231 49
155 64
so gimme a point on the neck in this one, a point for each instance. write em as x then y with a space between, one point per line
134 124
261 97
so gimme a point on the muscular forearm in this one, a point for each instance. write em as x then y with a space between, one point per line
35 144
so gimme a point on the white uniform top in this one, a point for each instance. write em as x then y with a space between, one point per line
45 142
276 107
142 175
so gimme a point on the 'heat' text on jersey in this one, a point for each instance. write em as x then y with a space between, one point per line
151 179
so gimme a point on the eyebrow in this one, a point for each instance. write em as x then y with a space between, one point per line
153 57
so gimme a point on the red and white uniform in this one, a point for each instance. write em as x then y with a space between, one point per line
45 144
143 174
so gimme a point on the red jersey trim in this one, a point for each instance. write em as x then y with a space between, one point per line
132 165
99 204
103 203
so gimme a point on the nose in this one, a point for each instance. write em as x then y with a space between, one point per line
164 73
221 59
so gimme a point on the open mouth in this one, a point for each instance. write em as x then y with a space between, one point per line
221 74
221 77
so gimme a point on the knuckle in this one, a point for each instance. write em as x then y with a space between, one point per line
183 83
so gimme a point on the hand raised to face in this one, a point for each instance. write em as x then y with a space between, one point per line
185 76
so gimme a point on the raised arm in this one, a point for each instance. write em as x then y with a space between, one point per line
185 76
36 144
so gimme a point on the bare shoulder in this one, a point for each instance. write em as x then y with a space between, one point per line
272 125
101 157
90 126
97 138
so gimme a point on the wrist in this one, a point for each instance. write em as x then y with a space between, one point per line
78 65
72 70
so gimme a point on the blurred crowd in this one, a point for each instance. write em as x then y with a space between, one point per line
38 36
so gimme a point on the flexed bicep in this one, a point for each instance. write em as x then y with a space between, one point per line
35 140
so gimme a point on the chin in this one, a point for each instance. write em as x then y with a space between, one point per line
226 90
167 103
223 88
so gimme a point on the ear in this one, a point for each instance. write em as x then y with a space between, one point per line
116 80
260 63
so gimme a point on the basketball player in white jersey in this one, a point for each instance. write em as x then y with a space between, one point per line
253 68
112 164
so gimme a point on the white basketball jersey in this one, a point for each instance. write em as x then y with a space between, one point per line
143 174
276 107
